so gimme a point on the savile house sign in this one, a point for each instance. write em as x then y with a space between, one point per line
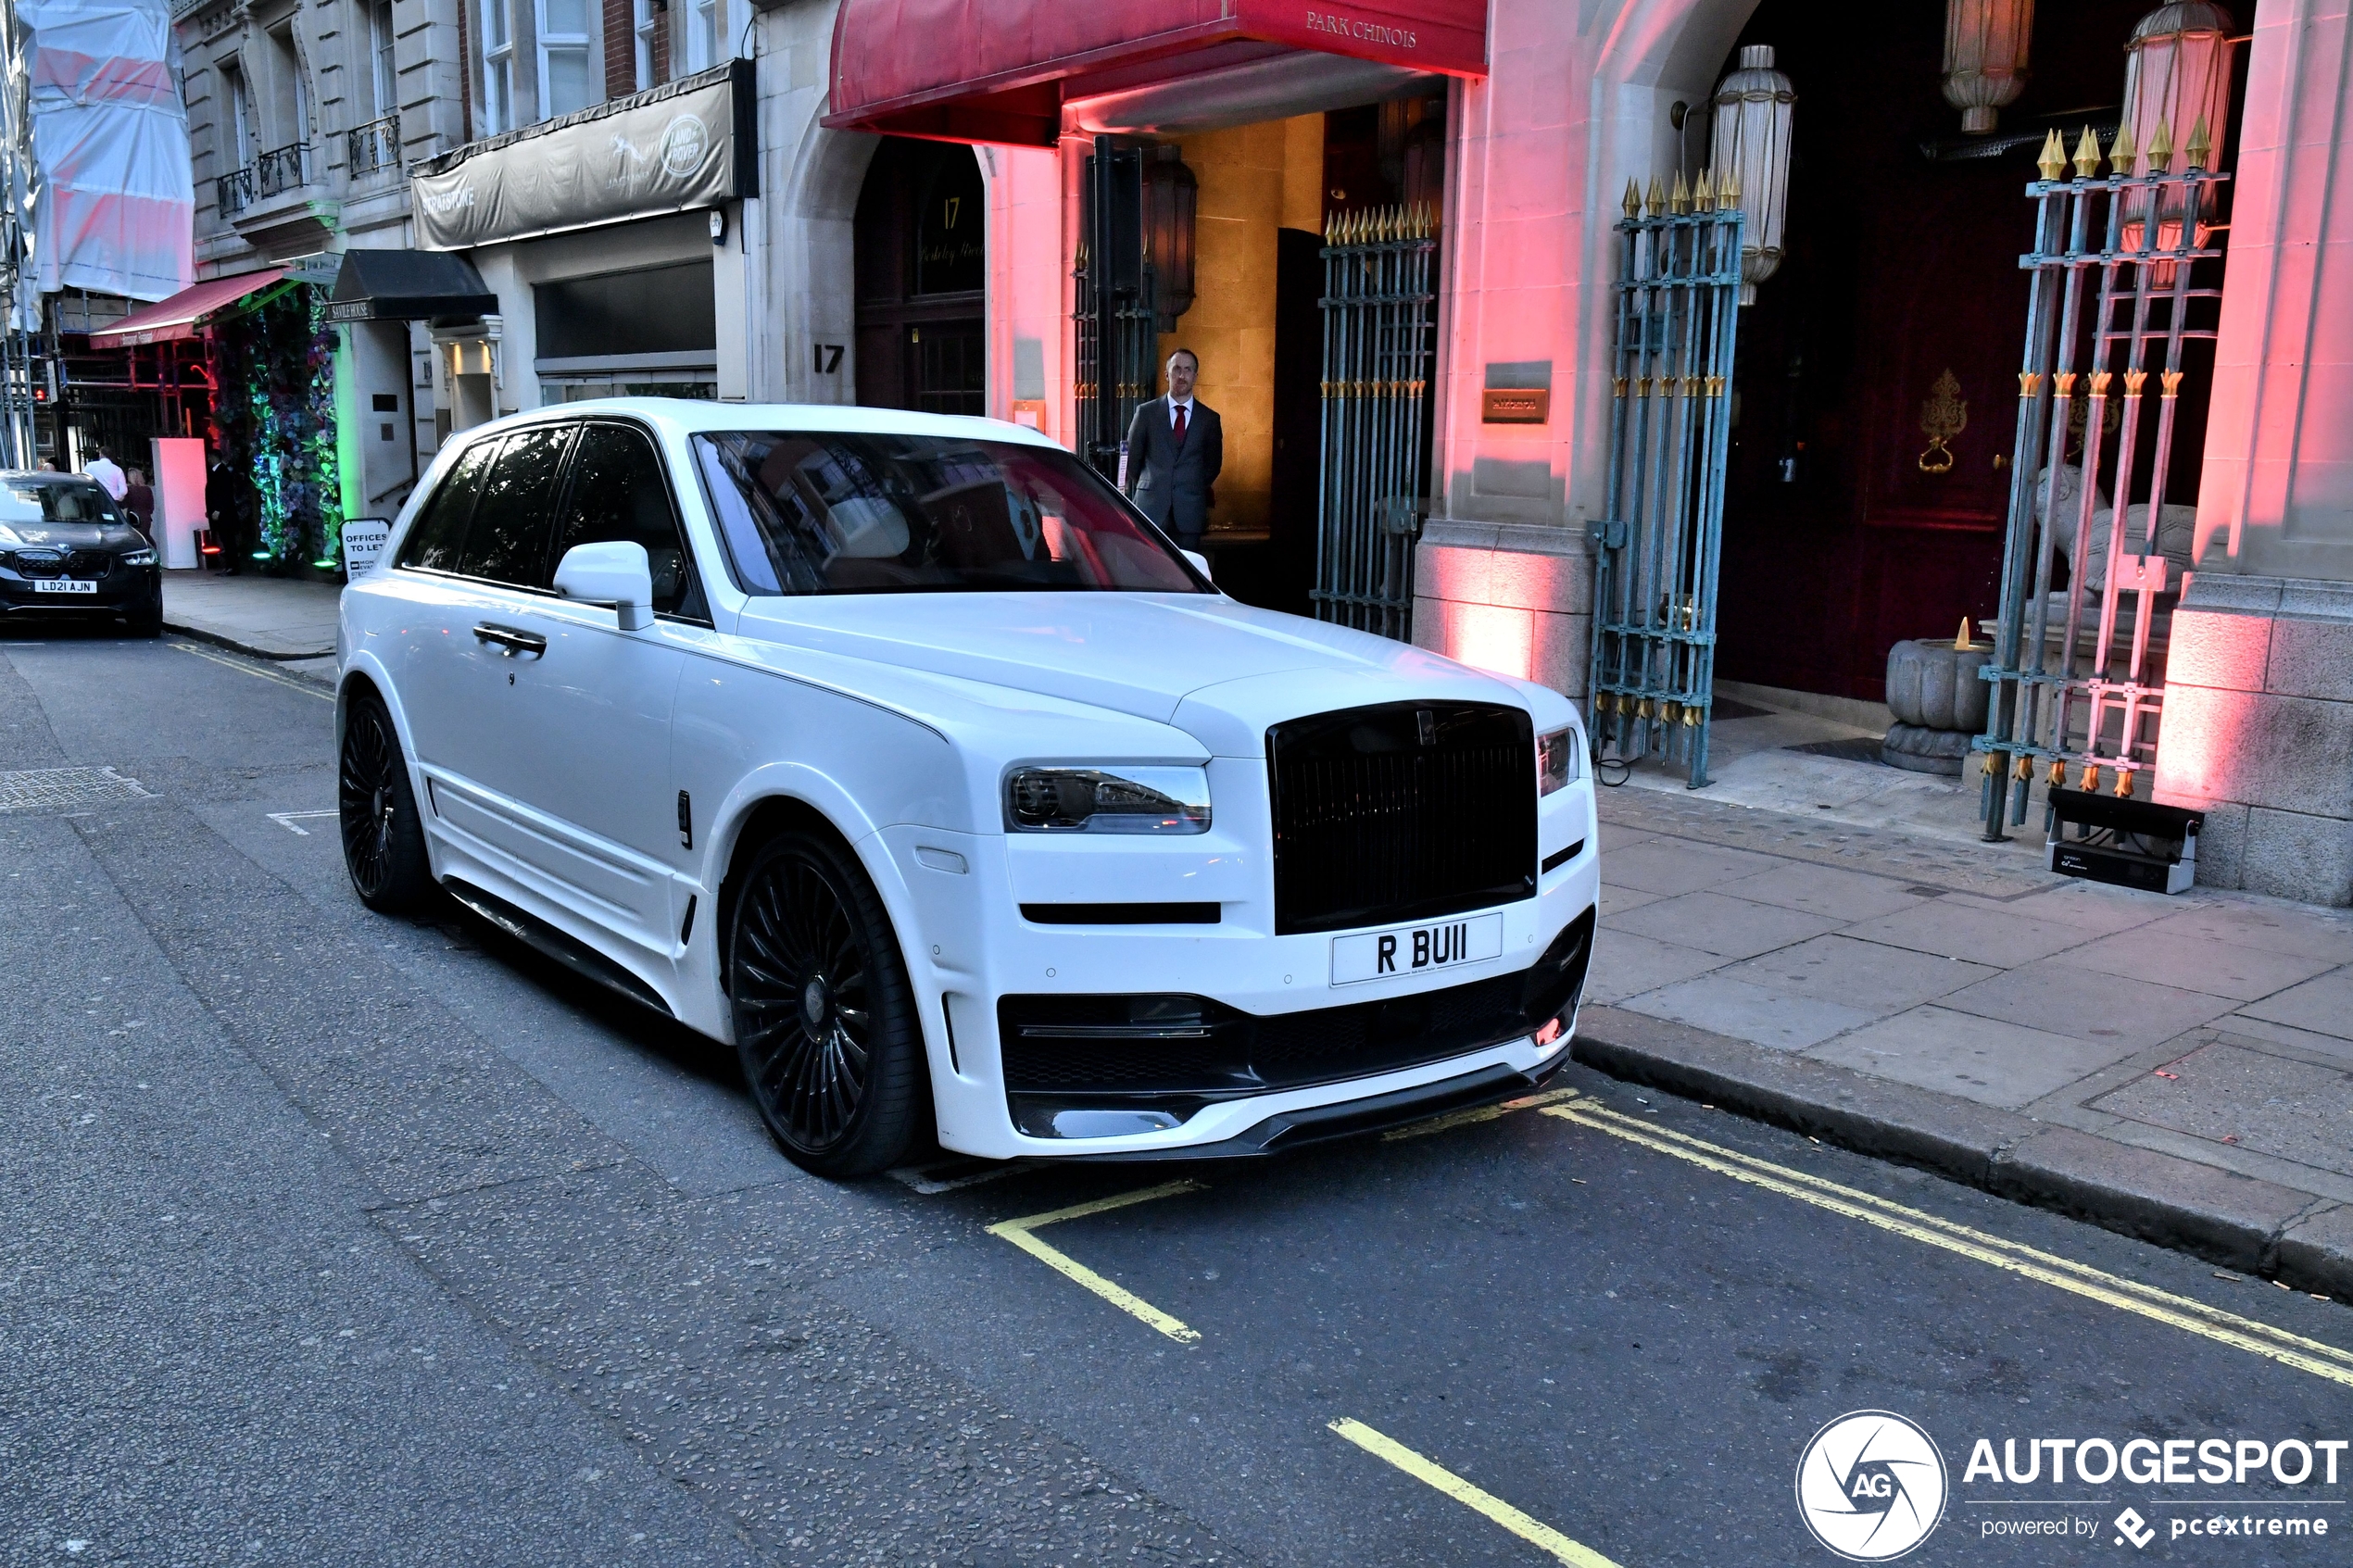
684 144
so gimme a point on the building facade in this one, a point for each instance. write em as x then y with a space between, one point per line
1397 237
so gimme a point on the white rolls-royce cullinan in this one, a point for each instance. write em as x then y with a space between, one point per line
901 752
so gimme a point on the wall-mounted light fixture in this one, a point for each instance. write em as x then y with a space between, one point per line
1171 193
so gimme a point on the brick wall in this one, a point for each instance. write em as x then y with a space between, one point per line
620 50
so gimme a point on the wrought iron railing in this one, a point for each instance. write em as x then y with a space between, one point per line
233 191
1651 681
273 173
1380 336
373 146
2074 685
281 169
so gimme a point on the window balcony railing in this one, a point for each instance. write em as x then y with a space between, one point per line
273 174
373 147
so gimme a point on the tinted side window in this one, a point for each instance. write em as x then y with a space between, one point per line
433 543
509 540
618 493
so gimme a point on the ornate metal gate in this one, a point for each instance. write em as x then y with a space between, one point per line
1380 338
2071 684
1113 306
1651 679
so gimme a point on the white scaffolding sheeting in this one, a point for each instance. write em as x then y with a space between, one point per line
116 211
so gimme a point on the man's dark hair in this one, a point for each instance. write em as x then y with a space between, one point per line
1187 353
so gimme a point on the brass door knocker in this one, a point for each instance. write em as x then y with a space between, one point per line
1943 415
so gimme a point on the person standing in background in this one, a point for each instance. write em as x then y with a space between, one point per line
139 500
1176 447
103 469
229 508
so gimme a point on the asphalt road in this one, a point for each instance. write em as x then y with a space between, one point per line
329 1238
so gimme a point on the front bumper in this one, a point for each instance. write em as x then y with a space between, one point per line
124 591
969 948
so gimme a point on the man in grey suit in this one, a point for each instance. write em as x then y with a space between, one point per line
1174 449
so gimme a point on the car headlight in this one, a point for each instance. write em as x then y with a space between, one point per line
138 557
1110 799
1559 759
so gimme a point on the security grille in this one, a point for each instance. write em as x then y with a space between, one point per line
1652 676
57 789
2127 271
1379 339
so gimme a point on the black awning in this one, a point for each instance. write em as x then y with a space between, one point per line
408 285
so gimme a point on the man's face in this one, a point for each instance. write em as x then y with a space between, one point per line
1181 371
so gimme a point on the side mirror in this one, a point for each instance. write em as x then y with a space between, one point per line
1201 562
616 574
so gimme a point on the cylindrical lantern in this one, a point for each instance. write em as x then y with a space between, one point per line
2177 75
1751 144
2177 102
1986 42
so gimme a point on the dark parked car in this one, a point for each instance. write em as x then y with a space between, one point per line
67 548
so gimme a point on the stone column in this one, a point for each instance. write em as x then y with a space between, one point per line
2259 706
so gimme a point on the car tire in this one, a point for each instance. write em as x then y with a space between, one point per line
383 840
824 1016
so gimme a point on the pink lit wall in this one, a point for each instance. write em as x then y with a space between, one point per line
1028 287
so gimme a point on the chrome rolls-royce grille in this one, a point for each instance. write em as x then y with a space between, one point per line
1400 813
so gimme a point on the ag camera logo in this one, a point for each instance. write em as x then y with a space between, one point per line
1871 1485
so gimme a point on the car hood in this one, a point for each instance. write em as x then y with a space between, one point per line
73 535
1140 654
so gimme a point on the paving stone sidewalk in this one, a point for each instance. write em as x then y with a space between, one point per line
2177 1068
288 621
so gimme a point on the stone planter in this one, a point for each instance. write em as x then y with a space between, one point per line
1938 703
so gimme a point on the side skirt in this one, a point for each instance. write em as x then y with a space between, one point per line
567 950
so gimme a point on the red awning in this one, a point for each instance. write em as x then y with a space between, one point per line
999 70
184 314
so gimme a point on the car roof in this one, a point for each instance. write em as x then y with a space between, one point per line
43 476
684 416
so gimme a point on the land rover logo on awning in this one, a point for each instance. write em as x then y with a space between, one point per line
684 141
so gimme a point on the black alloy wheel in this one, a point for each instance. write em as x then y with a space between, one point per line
824 1016
383 842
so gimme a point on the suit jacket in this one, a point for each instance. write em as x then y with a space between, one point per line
1174 484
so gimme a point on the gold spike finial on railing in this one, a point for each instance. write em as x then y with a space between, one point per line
2123 784
2087 154
2159 152
1728 191
2134 381
2121 154
1633 202
2172 381
1704 194
1656 202
2052 161
1680 199
2199 147
2058 779
2091 779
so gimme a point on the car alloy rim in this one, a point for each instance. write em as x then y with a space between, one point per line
802 1010
368 758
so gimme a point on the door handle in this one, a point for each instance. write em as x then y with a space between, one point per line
509 640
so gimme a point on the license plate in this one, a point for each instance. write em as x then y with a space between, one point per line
63 585
1415 949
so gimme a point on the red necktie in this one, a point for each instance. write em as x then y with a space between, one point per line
1180 424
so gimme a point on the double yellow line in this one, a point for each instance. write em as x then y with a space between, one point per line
2064 1273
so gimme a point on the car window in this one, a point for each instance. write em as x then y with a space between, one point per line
71 503
619 493
433 543
855 512
508 542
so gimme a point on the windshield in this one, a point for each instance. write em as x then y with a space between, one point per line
842 512
68 503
